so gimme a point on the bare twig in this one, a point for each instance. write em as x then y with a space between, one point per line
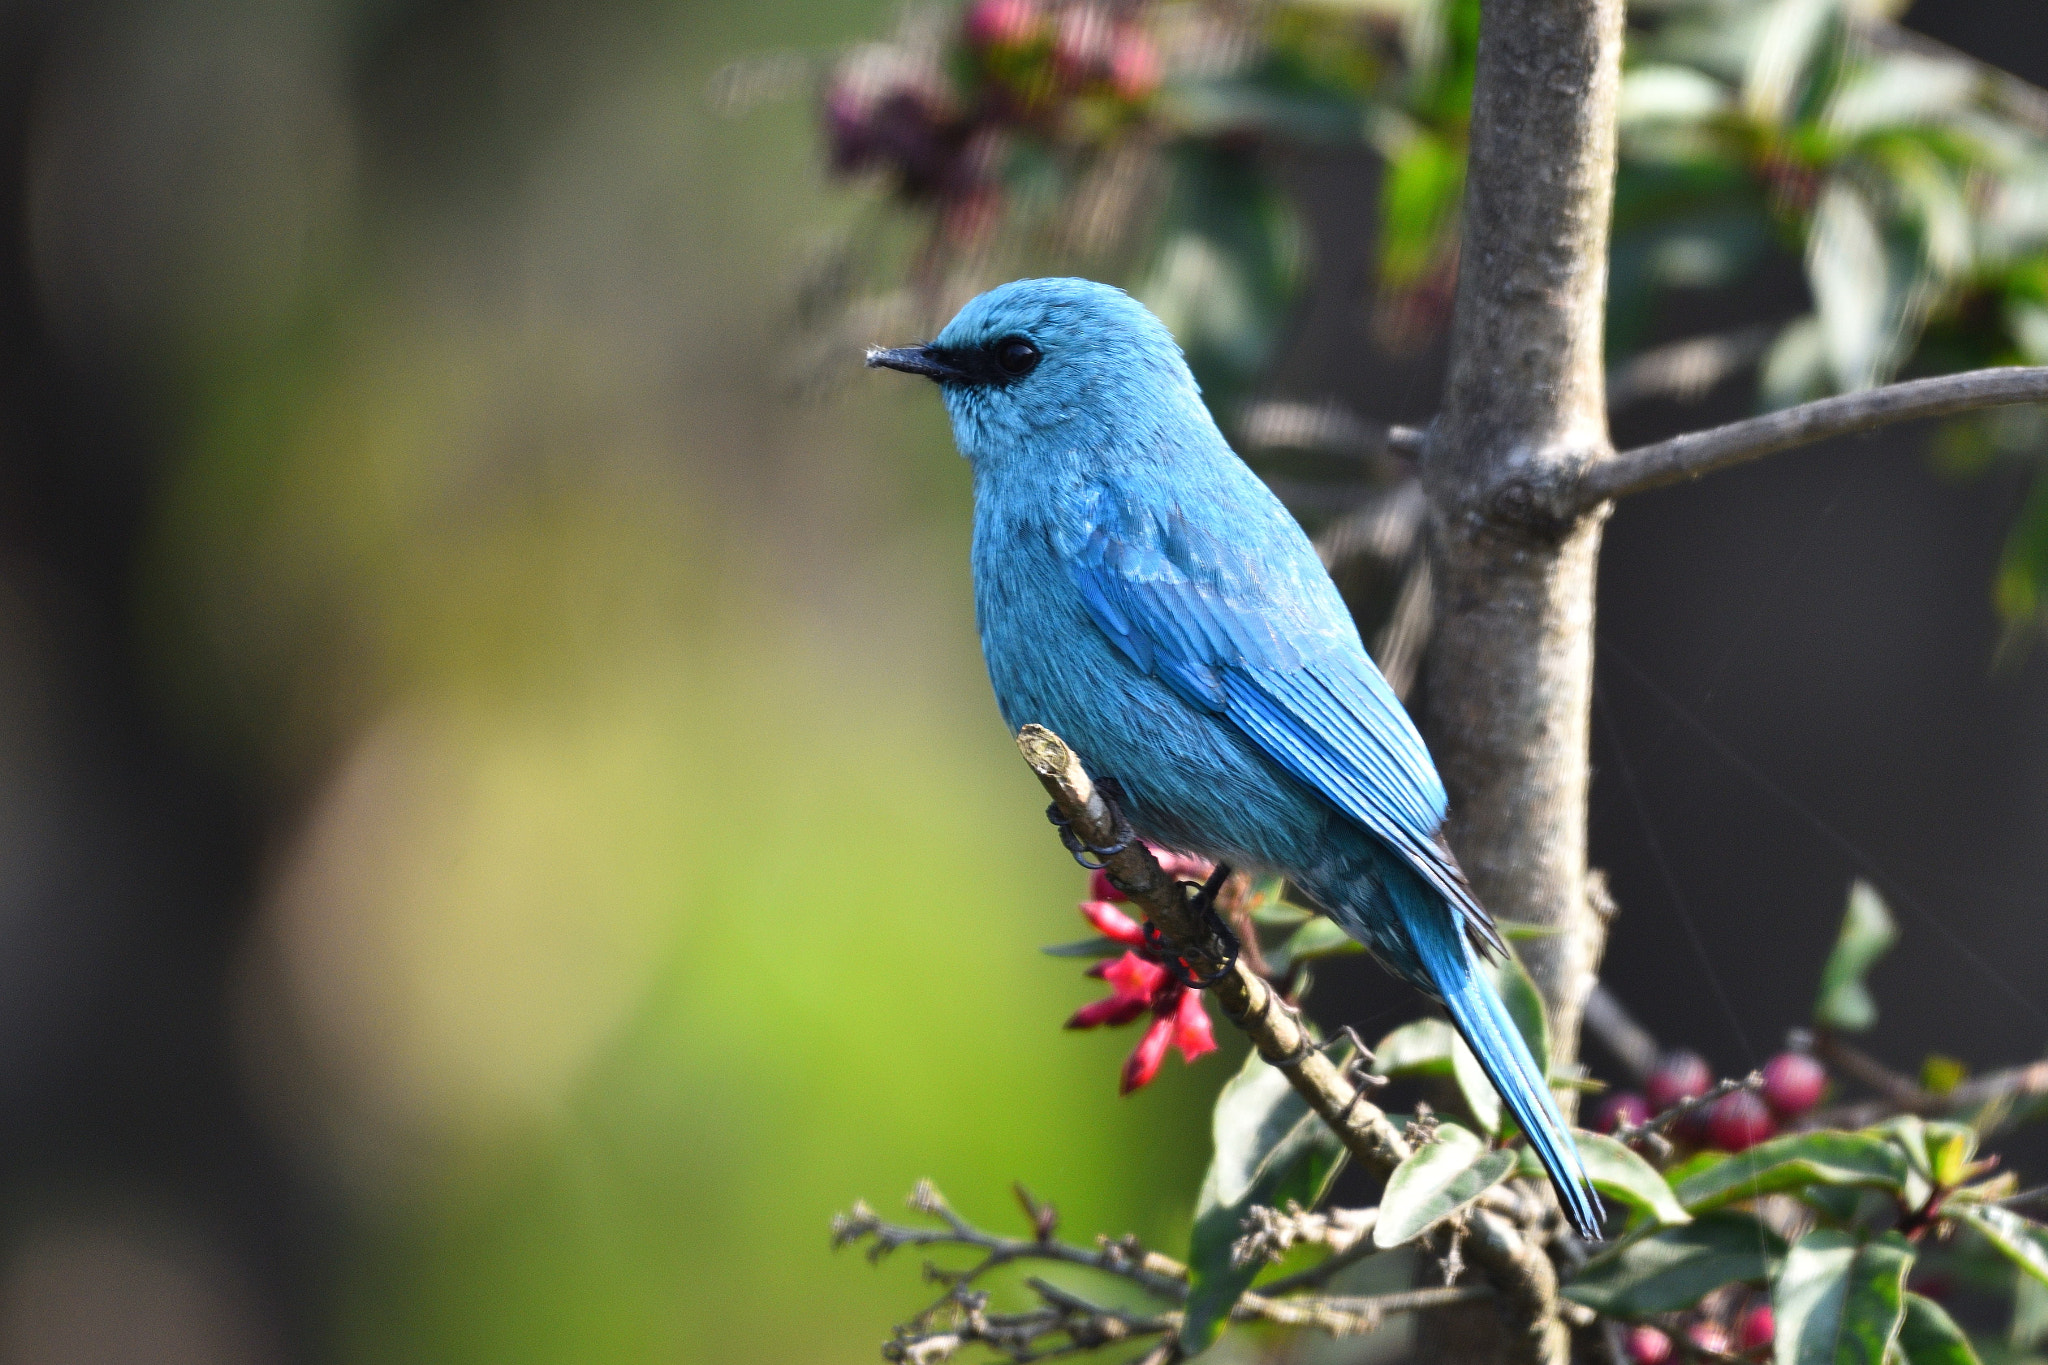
1327 426
1618 1030
1702 452
1124 1258
1994 1096
961 1316
1270 1234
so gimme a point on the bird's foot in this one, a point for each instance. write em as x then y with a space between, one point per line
1219 945
1081 849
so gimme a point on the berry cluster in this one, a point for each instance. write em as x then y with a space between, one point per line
1793 1083
936 124
1744 1327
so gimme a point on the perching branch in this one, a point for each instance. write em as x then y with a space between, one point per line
1703 452
1246 999
1509 1249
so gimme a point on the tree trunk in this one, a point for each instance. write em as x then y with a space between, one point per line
1510 669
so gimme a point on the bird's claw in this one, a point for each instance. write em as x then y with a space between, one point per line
1080 848
1221 946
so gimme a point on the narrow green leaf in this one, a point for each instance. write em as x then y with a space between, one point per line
1795 1161
1480 1096
1839 1300
1867 934
1672 1269
2023 1241
1421 1048
1098 946
1440 1178
1618 1172
1270 1148
1319 937
1929 1336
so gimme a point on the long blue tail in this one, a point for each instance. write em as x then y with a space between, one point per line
1490 1032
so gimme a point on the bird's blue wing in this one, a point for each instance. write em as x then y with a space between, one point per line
1265 642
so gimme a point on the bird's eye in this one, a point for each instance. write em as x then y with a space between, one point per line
1015 357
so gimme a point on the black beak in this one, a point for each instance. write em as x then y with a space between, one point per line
925 360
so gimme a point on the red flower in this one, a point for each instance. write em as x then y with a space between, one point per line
1139 984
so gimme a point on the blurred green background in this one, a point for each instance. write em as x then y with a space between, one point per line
644 871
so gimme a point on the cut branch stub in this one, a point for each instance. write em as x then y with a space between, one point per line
1247 999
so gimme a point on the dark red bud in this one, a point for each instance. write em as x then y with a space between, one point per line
1793 1083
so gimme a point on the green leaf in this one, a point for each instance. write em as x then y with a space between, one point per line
2023 1241
1480 1097
1270 1148
1672 1269
1440 1178
2029 1314
1840 1301
1794 1161
1618 1172
1929 1336
1867 934
1098 946
1319 937
1420 1048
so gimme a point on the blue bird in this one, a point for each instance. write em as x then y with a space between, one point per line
1142 594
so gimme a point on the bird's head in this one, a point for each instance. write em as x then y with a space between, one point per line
1062 357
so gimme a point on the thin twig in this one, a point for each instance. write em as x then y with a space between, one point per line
1148 1270
1702 452
1614 1026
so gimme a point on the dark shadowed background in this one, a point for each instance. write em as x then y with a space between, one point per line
447 907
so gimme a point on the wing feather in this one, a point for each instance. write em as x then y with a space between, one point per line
1276 655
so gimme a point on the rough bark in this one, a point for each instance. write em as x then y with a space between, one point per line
1509 674
1510 669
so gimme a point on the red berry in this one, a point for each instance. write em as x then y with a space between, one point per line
1739 1122
1680 1076
1793 1083
1002 23
1624 1109
1708 1336
1756 1329
1648 1346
